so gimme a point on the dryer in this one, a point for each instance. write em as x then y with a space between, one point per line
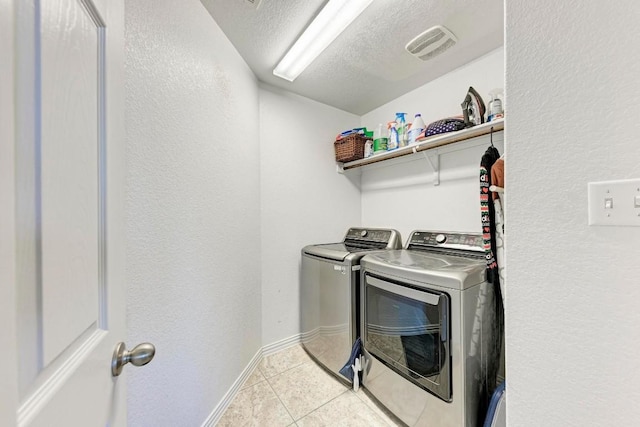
427 328
329 298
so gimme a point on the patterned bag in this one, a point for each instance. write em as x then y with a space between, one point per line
442 126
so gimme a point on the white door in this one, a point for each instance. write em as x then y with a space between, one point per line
62 300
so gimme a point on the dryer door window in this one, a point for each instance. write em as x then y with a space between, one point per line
407 330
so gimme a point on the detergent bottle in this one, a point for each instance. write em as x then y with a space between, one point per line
394 140
417 127
401 127
380 139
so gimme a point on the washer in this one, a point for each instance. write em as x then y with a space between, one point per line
329 298
427 326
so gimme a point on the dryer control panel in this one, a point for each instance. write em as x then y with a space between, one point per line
431 240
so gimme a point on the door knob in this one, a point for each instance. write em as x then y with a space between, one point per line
139 356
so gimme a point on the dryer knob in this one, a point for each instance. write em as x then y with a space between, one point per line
441 238
363 233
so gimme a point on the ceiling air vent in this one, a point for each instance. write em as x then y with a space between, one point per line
431 43
255 3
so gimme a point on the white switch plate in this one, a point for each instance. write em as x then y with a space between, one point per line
614 202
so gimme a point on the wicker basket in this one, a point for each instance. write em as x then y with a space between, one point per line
350 148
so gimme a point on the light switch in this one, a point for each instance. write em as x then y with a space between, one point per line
626 209
608 203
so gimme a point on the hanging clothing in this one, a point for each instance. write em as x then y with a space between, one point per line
497 179
497 175
499 214
487 211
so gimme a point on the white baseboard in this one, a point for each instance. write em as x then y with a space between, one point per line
309 335
281 345
322 330
222 406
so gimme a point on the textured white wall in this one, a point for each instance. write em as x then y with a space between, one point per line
193 220
403 196
573 290
442 97
303 199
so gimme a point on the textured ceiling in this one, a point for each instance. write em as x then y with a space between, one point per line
367 65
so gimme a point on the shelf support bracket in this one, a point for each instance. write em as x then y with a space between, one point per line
340 168
434 162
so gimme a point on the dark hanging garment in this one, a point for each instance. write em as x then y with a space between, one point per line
488 214
489 237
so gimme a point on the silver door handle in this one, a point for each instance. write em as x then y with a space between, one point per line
139 356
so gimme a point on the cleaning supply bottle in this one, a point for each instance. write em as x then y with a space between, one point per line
394 139
417 127
380 139
368 149
496 110
401 127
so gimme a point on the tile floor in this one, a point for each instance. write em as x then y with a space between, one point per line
289 389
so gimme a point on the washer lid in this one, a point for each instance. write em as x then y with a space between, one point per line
334 251
357 242
435 269
337 251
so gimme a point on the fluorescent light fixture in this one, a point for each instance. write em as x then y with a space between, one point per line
330 22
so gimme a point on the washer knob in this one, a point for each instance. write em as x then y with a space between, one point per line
441 238
363 233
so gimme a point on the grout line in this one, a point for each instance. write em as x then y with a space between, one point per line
281 402
287 370
245 386
253 408
267 380
303 363
374 406
325 403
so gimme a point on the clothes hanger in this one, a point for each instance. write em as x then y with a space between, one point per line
491 137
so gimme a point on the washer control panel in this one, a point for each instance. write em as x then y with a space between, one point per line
368 234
